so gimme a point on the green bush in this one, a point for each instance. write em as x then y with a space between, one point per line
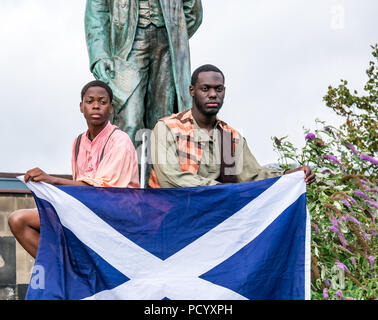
343 200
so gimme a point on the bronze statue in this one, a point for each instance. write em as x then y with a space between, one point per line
141 49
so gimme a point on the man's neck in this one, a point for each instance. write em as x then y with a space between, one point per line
204 121
95 130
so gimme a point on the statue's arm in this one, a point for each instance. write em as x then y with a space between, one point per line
97 30
193 15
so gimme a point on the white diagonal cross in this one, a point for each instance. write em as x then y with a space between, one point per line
177 277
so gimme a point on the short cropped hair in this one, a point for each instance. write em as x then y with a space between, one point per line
97 83
205 68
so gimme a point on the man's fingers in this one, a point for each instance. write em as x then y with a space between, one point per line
36 177
309 175
33 174
100 71
29 174
307 171
111 65
311 178
110 68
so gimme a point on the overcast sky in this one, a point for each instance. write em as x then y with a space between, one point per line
278 56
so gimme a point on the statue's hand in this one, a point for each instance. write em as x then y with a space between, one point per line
104 69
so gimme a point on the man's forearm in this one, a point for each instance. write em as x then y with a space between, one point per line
173 177
67 182
287 171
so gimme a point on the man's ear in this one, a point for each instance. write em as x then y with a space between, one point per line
81 107
111 108
191 90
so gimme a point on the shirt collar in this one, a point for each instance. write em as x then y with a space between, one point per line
202 134
104 133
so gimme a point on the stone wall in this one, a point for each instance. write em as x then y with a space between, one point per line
15 263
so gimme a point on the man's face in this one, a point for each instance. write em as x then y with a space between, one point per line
208 93
96 106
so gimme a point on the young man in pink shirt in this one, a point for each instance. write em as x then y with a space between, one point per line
104 156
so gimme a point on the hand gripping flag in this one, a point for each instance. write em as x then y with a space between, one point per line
235 241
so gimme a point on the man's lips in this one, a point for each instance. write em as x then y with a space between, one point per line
212 104
96 116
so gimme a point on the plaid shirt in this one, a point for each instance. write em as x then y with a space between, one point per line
189 150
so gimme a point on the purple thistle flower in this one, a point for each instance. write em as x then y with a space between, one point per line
310 136
371 260
327 129
325 293
352 148
327 283
368 158
353 261
334 229
339 294
342 266
346 203
332 158
373 232
340 236
361 194
372 217
353 219
366 236
316 228
342 239
334 222
372 203
352 199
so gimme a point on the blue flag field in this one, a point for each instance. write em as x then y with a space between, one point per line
226 242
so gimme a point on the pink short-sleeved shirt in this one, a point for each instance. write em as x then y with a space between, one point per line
119 165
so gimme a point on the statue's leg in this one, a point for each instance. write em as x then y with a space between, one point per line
161 94
130 116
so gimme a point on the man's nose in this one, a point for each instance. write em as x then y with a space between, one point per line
96 105
212 93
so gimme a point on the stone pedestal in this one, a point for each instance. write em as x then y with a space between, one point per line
15 263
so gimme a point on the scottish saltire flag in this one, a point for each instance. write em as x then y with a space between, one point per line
236 241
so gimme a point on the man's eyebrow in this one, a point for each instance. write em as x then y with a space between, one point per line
210 85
